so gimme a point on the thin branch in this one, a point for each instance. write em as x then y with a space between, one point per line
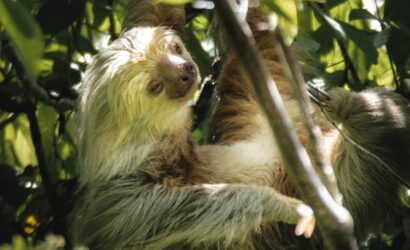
295 77
113 32
88 26
349 64
38 147
335 221
41 94
8 120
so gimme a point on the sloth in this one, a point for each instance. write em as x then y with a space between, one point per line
366 137
144 184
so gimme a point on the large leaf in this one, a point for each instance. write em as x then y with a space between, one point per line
358 14
380 38
100 11
285 12
397 14
24 32
55 16
333 3
346 32
360 38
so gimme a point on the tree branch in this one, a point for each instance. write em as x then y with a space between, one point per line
295 77
41 94
8 120
334 221
38 147
113 31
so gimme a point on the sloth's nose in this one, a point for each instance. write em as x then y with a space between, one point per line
188 73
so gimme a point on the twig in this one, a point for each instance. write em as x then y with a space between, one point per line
349 64
295 78
113 32
88 26
38 147
335 222
8 120
41 94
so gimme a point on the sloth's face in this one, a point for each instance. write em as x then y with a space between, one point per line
177 75
161 64
145 77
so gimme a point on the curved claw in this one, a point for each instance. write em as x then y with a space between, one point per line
305 226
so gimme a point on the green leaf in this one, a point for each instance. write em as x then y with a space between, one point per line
276 7
201 57
397 15
359 37
380 38
287 16
24 32
333 3
359 14
101 10
55 16
323 36
335 79
309 45
346 32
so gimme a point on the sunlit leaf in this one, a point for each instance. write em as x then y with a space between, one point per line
19 243
358 14
24 32
286 14
18 136
333 3
346 32
359 37
380 38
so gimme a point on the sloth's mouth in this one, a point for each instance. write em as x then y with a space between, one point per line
184 82
182 88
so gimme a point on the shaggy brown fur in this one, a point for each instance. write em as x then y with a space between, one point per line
143 183
373 149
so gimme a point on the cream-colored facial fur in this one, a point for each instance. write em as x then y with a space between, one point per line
110 120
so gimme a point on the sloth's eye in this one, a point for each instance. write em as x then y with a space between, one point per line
155 87
177 48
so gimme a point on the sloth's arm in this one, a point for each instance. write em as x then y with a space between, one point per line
123 211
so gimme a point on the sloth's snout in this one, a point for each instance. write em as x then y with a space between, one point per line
180 75
188 73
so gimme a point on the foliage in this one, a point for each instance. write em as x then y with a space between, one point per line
46 45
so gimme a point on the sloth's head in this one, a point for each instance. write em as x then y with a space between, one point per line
146 77
136 89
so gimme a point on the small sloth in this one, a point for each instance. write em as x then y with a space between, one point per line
144 184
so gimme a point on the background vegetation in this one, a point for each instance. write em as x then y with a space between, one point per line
45 46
